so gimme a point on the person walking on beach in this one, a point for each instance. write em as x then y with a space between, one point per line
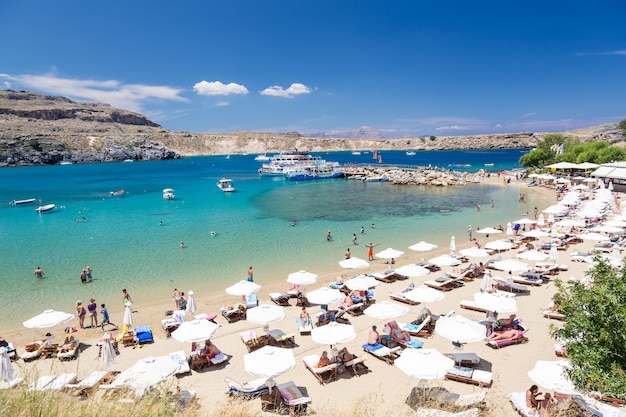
38 272
105 317
126 296
469 232
93 314
250 274
370 251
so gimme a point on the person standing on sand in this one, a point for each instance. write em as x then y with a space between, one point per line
126 298
469 232
81 313
370 251
93 314
348 254
38 272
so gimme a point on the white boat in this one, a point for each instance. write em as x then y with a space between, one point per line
45 208
262 157
410 153
319 170
18 202
129 160
285 161
356 153
226 185
168 193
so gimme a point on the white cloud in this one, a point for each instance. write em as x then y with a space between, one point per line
117 94
217 88
455 128
222 104
293 90
616 52
524 116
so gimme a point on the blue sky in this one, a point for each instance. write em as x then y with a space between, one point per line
406 68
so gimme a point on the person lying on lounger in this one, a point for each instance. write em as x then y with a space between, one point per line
344 356
506 334
398 334
323 361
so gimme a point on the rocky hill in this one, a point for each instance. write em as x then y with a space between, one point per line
41 129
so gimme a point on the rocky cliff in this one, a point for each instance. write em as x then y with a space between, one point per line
41 129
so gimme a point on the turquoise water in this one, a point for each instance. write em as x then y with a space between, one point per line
123 242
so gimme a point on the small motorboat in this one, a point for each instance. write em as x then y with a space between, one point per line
410 153
20 202
43 209
168 193
356 153
226 185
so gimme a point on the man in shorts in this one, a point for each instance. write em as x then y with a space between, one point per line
105 317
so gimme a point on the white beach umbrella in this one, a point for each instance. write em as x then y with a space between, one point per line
486 282
444 260
302 278
551 218
191 303
459 329
616 223
474 253
452 246
128 314
509 229
361 283
570 223
6 367
541 221
608 229
107 355
412 270
353 263
594 237
324 296
551 375
265 314
424 294
49 318
389 253
243 288
386 310
269 362
510 265
496 303
498 245
332 334
524 220
554 254
489 231
422 246
146 373
536 233
533 255
195 331
424 363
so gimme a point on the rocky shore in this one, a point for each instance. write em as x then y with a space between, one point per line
423 176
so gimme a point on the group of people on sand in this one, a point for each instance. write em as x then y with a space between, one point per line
179 299
543 407
92 311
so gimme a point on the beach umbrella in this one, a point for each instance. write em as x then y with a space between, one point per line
302 278
265 314
459 329
510 265
444 260
594 237
324 296
146 373
107 354
616 223
353 263
554 254
509 229
474 253
361 283
243 288
541 221
604 228
486 282
412 270
551 218
332 334
422 246
386 310
269 362
49 318
424 294
191 303
552 376
533 255
496 303
536 233
424 363
195 331
489 231
6 367
524 220
498 245
452 246
389 253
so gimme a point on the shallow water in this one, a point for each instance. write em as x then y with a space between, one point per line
123 242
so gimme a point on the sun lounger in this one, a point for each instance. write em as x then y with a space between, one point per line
543 265
280 338
324 374
237 313
11 384
553 315
383 352
180 358
144 334
560 350
547 269
204 316
353 310
280 299
293 398
357 365
532 281
252 300
246 389
304 328
399 296
471 305
510 286
469 376
42 383
464 359
87 384
387 276
419 330
518 399
434 412
69 350
429 266
428 395
497 344
444 283
33 351
466 275
61 381
169 325
252 342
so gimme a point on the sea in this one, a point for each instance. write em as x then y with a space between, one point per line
132 240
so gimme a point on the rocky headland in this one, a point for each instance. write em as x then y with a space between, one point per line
38 129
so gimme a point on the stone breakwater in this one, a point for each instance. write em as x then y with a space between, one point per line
401 176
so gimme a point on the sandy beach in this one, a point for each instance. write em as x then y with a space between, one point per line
384 384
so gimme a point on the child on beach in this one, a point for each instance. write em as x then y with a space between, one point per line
105 317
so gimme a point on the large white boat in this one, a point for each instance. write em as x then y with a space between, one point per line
168 194
285 161
47 207
19 202
262 157
319 170
226 185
